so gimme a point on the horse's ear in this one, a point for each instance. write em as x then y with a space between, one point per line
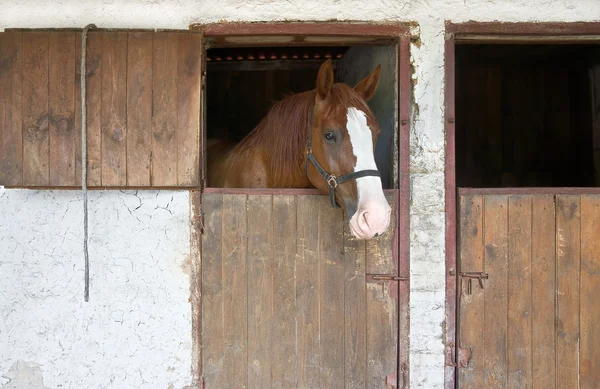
366 88
325 80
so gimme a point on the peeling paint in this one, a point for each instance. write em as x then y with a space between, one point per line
23 375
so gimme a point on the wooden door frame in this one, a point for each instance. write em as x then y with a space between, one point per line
487 32
398 33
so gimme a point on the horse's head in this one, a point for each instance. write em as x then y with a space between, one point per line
344 133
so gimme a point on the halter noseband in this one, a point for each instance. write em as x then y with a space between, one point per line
331 180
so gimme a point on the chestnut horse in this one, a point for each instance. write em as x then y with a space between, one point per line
323 138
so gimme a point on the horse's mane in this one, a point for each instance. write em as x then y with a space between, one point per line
284 130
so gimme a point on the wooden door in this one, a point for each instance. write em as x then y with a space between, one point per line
534 323
285 297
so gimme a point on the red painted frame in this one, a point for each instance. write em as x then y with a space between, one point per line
492 32
401 34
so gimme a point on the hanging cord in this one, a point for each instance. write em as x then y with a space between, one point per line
84 160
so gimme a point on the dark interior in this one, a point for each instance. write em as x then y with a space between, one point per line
527 115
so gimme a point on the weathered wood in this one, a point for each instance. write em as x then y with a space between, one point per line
189 109
260 290
543 268
308 290
519 292
234 291
380 258
77 110
114 108
164 109
11 132
212 293
139 107
61 104
36 158
590 287
94 108
331 310
471 310
568 270
495 221
284 293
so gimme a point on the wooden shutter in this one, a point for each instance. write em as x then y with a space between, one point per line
143 109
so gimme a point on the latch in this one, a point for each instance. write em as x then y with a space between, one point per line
474 275
387 277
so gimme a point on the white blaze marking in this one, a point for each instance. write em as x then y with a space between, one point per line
369 187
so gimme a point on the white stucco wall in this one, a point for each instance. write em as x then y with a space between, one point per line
427 189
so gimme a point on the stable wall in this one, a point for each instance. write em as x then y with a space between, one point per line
427 181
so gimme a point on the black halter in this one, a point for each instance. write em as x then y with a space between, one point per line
332 181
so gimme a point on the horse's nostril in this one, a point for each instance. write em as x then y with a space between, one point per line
376 235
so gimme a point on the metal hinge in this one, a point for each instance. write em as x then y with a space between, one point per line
474 275
387 277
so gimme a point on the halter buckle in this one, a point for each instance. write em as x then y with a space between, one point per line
332 181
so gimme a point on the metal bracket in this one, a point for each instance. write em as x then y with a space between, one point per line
387 277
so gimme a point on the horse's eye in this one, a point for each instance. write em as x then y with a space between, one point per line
330 136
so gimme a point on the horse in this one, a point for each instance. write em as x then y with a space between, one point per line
322 138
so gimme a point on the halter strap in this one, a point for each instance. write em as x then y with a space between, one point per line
331 180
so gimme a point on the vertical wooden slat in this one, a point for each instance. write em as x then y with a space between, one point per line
519 292
332 296
77 110
164 110
94 108
260 290
471 308
495 221
284 293
114 108
189 109
212 292
11 132
380 259
307 293
139 107
36 158
234 292
543 277
355 308
61 103
590 287
568 230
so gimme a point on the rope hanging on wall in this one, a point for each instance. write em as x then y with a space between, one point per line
84 160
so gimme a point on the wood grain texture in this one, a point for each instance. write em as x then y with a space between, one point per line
94 107
519 292
568 250
139 107
36 142
189 108
114 108
77 110
380 258
234 291
543 277
471 304
61 103
260 291
11 132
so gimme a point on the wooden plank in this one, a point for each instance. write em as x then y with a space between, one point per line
471 308
284 292
331 310
568 234
61 105
36 143
380 259
139 107
519 292
94 107
77 110
307 292
355 308
164 110
114 108
260 290
11 135
495 221
189 109
212 292
235 284
590 286
382 334
543 268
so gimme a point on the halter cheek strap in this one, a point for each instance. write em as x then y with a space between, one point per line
331 180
